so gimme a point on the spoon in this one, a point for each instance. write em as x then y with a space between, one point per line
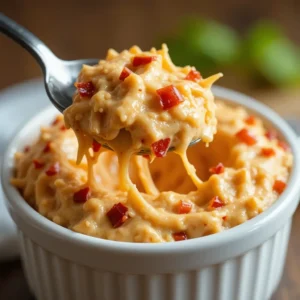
59 75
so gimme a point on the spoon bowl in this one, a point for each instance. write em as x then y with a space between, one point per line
60 79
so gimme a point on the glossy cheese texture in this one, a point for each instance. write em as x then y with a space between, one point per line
153 192
133 99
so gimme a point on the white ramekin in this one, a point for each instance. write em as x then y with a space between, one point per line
245 262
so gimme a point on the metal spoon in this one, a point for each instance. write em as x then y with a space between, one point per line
59 75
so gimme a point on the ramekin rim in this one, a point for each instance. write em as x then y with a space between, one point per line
228 236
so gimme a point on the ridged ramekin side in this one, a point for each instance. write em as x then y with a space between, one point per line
251 276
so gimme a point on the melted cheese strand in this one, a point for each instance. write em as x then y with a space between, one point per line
154 215
190 169
145 176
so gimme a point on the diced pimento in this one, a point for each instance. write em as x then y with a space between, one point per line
283 145
180 236
215 202
218 169
26 149
246 137
250 120
47 147
193 75
160 148
82 195
169 97
56 121
268 152
117 214
38 164
85 89
224 218
271 134
184 207
279 186
63 128
96 146
53 170
124 74
142 60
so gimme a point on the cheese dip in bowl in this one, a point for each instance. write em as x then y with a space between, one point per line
190 224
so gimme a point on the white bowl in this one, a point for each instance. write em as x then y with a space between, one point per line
245 262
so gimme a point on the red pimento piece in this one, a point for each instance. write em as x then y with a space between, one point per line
47 147
215 202
250 120
142 60
124 74
224 218
26 149
85 89
283 145
56 121
193 75
38 164
82 195
169 97
63 128
53 170
160 148
271 134
279 186
268 152
246 137
184 207
117 214
96 146
179 236
218 169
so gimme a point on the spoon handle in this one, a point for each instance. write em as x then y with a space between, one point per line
27 40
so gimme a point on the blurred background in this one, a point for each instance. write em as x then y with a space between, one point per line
254 43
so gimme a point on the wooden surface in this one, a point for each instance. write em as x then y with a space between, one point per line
76 29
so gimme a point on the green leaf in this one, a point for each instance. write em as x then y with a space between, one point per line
272 55
182 55
210 39
207 45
